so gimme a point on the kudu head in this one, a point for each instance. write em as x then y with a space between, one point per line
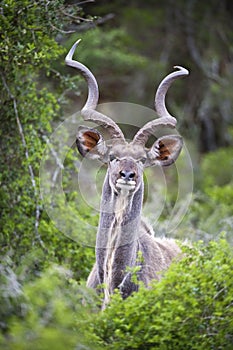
126 160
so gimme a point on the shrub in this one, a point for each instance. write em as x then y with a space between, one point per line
190 308
211 210
52 311
216 168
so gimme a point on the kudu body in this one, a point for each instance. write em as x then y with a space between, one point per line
124 240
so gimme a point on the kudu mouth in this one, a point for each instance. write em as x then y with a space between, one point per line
125 185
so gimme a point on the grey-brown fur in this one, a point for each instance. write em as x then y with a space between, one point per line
134 235
124 240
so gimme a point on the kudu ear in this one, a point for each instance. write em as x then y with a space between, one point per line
165 150
90 141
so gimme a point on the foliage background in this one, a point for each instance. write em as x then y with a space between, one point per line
129 46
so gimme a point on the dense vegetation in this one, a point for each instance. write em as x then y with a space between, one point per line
129 46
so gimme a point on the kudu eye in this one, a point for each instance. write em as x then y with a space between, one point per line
112 157
143 160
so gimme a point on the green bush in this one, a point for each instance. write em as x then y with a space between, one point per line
190 308
216 168
51 313
211 209
29 108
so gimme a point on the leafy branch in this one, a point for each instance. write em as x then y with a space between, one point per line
26 152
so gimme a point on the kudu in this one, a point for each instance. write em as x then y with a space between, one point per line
122 232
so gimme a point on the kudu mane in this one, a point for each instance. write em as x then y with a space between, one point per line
122 233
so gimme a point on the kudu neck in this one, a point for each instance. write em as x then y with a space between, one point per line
120 215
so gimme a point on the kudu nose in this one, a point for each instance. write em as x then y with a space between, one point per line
127 175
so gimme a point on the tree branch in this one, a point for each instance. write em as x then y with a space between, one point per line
57 159
92 24
31 172
193 49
